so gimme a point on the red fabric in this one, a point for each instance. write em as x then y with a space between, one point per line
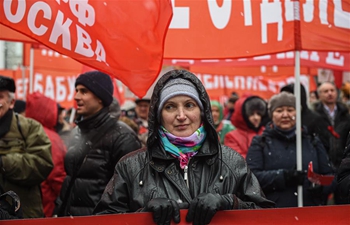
45 111
240 138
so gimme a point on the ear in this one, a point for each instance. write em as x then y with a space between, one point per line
12 103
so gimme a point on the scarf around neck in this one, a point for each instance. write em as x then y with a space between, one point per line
182 148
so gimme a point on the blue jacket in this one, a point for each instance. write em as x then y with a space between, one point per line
273 152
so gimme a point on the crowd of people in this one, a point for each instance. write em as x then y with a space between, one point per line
177 150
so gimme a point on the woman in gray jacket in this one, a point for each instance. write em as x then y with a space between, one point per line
183 164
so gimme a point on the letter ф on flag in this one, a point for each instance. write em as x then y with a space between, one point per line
122 38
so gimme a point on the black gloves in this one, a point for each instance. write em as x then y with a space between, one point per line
294 177
204 206
163 210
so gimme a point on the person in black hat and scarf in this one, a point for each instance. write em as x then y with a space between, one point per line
99 142
25 153
184 165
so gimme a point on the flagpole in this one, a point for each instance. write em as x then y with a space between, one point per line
298 123
31 69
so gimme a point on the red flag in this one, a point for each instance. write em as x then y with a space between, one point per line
318 178
124 39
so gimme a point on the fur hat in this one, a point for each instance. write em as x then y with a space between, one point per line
98 83
279 100
7 83
255 104
175 87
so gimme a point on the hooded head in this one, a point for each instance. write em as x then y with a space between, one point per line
221 110
190 86
98 83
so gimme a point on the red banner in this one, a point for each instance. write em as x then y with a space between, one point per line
236 29
326 60
121 38
262 81
289 216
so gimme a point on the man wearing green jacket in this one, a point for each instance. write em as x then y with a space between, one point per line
25 153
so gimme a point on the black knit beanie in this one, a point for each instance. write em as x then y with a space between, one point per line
98 83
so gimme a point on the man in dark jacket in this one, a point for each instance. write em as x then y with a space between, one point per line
25 153
100 141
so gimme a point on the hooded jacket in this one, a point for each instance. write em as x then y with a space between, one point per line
224 126
99 161
273 152
240 138
153 173
44 110
26 162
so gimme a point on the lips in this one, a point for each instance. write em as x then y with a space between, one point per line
182 127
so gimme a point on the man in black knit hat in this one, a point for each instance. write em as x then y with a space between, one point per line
99 142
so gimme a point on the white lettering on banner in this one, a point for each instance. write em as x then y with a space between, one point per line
19 87
220 15
181 17
61 28
271 12
18 16
38 78
49 88
339 15
61 92
334 58
32 16
81 9
247 83
71 87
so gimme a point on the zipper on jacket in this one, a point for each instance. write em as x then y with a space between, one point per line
186 176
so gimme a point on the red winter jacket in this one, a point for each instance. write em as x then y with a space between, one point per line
45 111
240 138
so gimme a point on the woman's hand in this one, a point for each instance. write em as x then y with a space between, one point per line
163 210
204 206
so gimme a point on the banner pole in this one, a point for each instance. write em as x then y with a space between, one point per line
298 123
31 69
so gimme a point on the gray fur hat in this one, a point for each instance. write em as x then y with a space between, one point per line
178 86
279 100
255 104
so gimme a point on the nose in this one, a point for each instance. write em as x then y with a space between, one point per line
181 114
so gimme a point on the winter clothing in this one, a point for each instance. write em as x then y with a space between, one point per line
153 173
7 83
312 120
178 87
279 100
43 110
98 83
240 138
20 106
272 158
25 161
335 129
224 126
343 176
97 169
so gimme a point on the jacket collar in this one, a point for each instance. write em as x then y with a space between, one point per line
94 121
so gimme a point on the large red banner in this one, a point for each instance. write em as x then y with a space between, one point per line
121 38
289 216
237 28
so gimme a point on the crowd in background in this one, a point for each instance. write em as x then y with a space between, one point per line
59 168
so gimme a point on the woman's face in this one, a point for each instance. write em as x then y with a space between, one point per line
181 116
284 117
255 119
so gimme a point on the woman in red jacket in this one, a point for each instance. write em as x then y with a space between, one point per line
249 118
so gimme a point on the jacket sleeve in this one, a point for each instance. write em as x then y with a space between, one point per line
35 164
269 180
323 159
343 177
124 144
250 194
115 197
